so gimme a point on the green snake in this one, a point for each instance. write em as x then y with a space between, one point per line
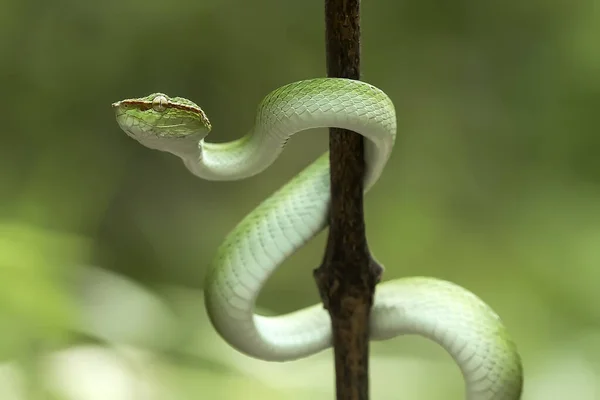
467 328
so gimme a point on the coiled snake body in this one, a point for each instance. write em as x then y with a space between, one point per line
453 317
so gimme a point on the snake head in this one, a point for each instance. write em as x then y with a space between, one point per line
157 120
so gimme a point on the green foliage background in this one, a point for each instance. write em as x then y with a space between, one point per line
494 184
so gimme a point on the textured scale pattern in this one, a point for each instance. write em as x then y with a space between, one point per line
338 103
455 318
458 320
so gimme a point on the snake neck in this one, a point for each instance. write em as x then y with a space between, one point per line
234 160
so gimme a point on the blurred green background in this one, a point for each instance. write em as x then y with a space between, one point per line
494 184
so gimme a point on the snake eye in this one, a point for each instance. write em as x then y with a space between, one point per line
159 103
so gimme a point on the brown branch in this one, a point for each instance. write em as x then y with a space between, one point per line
347 276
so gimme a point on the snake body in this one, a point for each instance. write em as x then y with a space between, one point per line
448 314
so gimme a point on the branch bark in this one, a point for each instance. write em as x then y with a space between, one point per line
348 274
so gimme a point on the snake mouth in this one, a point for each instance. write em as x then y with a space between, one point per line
116 106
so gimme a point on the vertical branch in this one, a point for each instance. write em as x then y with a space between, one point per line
347 276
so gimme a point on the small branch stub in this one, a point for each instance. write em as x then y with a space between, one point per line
348 274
